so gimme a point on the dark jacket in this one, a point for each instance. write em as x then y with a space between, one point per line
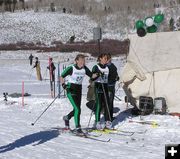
113 75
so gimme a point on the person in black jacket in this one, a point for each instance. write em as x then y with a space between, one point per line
31 59
112 78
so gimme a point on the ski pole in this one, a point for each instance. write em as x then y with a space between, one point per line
106 100
45 74
90 119
30 73
58 81
44 111
117 98
91 115
54 84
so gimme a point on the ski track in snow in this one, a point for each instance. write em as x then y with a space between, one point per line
20 140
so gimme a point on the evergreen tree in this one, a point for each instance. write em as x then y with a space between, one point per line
52 7
14 4
171 24
1 2
8 4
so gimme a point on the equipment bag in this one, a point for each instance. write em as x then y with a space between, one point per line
160 106
146 105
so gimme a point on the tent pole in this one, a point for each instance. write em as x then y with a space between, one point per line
154 86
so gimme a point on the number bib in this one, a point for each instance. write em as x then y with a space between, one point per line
77 76
104 78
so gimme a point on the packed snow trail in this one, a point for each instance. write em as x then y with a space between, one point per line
20 140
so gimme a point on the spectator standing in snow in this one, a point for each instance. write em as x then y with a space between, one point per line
38 69
31 59
52 68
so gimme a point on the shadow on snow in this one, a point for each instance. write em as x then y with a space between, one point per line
122 116
36 138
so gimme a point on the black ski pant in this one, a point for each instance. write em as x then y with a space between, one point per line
102 101
111 90
74 97
31 62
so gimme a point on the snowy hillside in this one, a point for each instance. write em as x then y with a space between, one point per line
44 27
47 27
20 140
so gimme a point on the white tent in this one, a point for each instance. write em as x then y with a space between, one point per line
153 68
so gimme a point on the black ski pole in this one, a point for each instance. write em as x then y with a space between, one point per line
91 115
54 84
44 111
117 98
106 100
90 119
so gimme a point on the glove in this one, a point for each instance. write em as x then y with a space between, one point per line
64 86
117 78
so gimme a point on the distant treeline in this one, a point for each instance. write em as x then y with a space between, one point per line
85 6
114 47
11 5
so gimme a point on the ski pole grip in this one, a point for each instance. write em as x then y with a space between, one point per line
64 85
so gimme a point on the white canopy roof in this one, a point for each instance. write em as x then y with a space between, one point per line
153 67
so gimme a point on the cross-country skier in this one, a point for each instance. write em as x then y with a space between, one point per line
101 92
76 75
112 78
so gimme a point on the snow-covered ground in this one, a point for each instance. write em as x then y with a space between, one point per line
46 27
20 140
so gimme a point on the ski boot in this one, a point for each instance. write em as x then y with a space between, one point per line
78 132
66 122
108 125
99 126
